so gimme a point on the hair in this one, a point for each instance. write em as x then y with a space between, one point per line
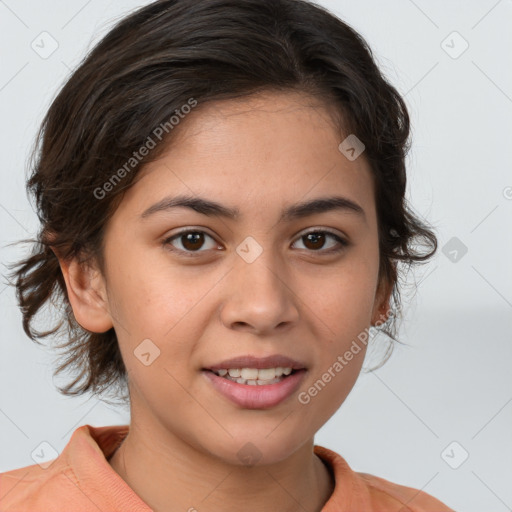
126 92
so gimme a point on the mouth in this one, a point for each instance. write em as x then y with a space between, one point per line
255 388
255 376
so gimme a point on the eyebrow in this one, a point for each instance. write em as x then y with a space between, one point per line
293 212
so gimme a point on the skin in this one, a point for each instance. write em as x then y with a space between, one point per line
259 154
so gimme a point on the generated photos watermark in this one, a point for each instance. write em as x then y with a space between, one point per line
149 144
305 397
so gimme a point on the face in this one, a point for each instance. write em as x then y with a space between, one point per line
186 290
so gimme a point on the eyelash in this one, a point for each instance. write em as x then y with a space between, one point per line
193 254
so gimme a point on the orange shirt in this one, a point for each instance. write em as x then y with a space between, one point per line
80 479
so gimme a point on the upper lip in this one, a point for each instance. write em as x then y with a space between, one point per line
248 361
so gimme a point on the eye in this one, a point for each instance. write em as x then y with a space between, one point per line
316 239
192 240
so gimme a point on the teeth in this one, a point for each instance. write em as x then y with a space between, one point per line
265 374
253 382
254 376
249 373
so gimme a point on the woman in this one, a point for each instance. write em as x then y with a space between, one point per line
221 189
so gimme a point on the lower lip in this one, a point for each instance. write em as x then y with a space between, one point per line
256 397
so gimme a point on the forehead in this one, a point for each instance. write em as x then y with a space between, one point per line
265 116
273 148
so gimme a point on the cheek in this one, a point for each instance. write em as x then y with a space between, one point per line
160 311
340 358
150 296
329 384
344 310
346 300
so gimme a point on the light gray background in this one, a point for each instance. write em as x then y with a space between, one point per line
453 380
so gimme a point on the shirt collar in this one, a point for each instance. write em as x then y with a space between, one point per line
90 448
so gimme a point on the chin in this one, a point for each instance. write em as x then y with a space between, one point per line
258 449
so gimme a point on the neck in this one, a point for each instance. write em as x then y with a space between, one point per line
173 475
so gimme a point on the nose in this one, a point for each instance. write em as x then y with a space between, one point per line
260 297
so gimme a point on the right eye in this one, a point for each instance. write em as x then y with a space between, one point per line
191 240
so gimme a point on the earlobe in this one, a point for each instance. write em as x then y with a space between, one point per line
87 295
382 309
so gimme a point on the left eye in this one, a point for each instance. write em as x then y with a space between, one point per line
318 238
192 240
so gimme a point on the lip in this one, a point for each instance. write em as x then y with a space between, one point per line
248 361
256 397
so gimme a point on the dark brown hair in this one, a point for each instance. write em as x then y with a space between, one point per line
155 61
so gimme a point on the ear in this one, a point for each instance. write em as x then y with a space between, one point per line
87 294
381 306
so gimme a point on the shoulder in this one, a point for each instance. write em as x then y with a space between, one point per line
31 487
362 491
68 481
386 495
